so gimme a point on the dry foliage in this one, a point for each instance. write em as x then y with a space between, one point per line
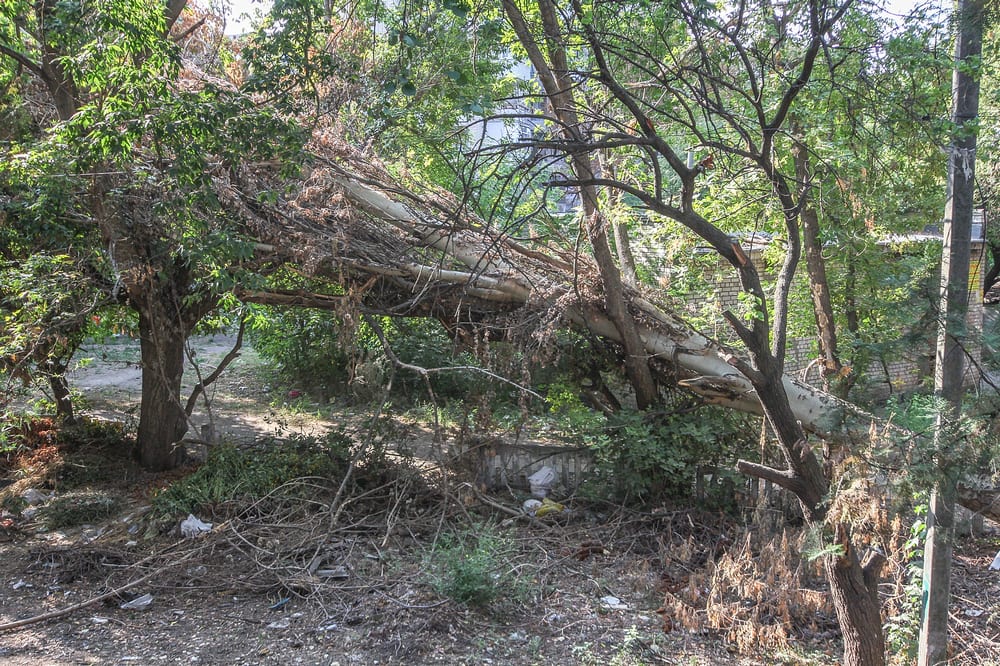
759 595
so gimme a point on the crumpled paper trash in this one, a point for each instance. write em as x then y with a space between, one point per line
34 497
614 603
192 526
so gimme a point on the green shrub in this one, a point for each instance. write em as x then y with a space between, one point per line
315 350
473 567
304 344
645 456
233 474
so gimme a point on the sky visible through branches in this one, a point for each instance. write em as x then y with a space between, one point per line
239 18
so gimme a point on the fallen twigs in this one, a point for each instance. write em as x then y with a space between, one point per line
69 610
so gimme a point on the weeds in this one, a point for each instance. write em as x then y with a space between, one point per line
231 473
74 509
472 567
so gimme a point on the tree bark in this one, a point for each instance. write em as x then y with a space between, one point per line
949 370
554 75
819 288
61 395
855 597
162 420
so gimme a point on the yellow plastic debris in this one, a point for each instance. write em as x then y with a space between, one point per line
548 506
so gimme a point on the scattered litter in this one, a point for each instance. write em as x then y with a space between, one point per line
139 603
541 481
518 637
973 612
192 526
19 584
547 507
614 603
283 623
531 506
337 573
539 508
34 497
281 603
995 565
197 571
97 619
92 534
328 627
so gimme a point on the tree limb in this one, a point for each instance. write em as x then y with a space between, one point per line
223 364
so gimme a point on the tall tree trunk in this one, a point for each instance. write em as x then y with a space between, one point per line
819 287
61 395
855 597
949 370
625 257
162 420
553 72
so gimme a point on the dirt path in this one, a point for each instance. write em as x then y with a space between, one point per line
582 587
243 404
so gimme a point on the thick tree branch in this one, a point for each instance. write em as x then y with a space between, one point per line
29 64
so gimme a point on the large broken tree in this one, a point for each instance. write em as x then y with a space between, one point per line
401 252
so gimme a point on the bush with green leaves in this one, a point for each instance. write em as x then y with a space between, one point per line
306 345
902 628
474 566
425 343
234 474
658 455
934 441
316 349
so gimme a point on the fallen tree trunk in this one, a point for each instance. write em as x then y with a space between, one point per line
405 254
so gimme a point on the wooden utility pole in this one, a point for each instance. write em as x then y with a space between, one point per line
949 373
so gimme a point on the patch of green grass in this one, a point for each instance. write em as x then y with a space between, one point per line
74 509
232 474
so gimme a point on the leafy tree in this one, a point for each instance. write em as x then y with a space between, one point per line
641 82
123 150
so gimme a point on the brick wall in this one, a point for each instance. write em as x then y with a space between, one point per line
905 370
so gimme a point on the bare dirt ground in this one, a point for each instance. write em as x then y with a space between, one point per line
328 571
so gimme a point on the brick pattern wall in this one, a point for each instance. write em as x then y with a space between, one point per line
891 375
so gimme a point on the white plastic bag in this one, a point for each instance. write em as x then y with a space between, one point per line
192 526
541 481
